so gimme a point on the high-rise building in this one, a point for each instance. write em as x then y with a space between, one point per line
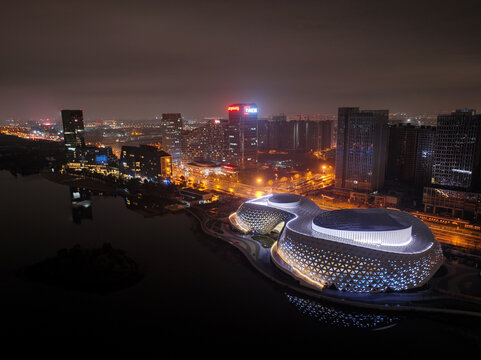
424 156
73 128
282 134
457 150
206 142
361 153
263 130
73 133
171 126
455 180
410 155
402 153
306 135
326 128
294 135
194 143
242 135
217 147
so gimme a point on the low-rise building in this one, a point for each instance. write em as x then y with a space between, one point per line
145 162
191 197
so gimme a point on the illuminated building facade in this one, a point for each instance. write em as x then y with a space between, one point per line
145 162
361 155
455 181
368 250
457 150
207 142
217 147
241 135
171 126
73 131
92 155
194 144
460 204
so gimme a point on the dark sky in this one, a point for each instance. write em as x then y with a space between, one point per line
137 59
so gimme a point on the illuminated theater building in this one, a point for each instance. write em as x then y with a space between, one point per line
356 250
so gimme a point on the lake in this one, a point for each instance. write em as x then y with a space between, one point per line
195 290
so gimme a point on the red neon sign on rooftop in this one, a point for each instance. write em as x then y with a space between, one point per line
233 108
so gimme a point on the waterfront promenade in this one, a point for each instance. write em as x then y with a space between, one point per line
440 296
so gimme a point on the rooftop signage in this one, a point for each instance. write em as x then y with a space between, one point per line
250 110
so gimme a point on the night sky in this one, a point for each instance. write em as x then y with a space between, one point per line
137 59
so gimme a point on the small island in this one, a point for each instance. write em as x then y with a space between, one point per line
99 270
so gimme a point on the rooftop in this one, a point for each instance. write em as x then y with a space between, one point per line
360 220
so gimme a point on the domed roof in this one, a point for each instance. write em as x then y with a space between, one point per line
284 198
360 220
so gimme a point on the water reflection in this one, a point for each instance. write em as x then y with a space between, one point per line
342 318
145 204
81 204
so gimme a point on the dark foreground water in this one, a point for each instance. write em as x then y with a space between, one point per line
197 291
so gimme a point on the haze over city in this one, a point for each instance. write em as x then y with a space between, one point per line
135 60
283 175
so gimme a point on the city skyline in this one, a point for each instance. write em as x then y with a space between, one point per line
183 172
124 61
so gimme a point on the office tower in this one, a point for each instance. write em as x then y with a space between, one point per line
145 162
242 135
457 150
455 180
424 156
171 125
361 153
73 128
73 133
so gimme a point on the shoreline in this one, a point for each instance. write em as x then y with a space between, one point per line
390 302
260 259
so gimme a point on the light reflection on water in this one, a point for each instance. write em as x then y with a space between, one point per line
214 292
337 317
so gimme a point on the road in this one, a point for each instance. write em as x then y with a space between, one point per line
460 238
422 300
299 185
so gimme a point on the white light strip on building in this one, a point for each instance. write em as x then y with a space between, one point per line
461 171
400 237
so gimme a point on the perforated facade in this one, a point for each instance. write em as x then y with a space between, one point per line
405 254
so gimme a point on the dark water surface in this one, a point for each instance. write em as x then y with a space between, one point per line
197 291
